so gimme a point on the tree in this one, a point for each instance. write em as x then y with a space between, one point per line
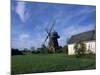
38 51
16 52
59 50
80 49
25 50
43 49
89 51
65 49
32 48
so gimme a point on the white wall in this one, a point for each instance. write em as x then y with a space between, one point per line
71 49
91 45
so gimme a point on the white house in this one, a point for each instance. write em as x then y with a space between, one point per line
89 38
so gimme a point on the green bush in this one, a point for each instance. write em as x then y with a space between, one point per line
90 52
65 49
80 49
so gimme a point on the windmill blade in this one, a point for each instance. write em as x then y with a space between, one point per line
52 26
45 39
47 30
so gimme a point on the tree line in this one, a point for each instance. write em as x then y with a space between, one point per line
79 47
41 50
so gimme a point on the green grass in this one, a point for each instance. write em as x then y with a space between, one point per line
50 63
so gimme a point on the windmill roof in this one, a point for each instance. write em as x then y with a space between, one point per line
85 36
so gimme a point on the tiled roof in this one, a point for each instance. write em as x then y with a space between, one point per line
85 36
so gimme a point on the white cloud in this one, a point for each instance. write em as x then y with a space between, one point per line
24 41
22 11
66 33
23 36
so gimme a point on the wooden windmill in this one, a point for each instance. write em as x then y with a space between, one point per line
52 36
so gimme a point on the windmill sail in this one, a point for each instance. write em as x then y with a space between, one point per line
45 39
53 42
49 32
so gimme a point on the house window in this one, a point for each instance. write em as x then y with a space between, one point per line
90 46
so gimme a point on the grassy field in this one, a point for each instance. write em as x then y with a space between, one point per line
37 63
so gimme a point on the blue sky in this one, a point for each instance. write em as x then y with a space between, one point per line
29 20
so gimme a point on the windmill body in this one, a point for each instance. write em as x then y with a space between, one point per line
53 45
53 36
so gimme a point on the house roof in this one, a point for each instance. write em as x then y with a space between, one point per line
85 36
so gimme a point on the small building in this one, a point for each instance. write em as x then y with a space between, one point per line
88 38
